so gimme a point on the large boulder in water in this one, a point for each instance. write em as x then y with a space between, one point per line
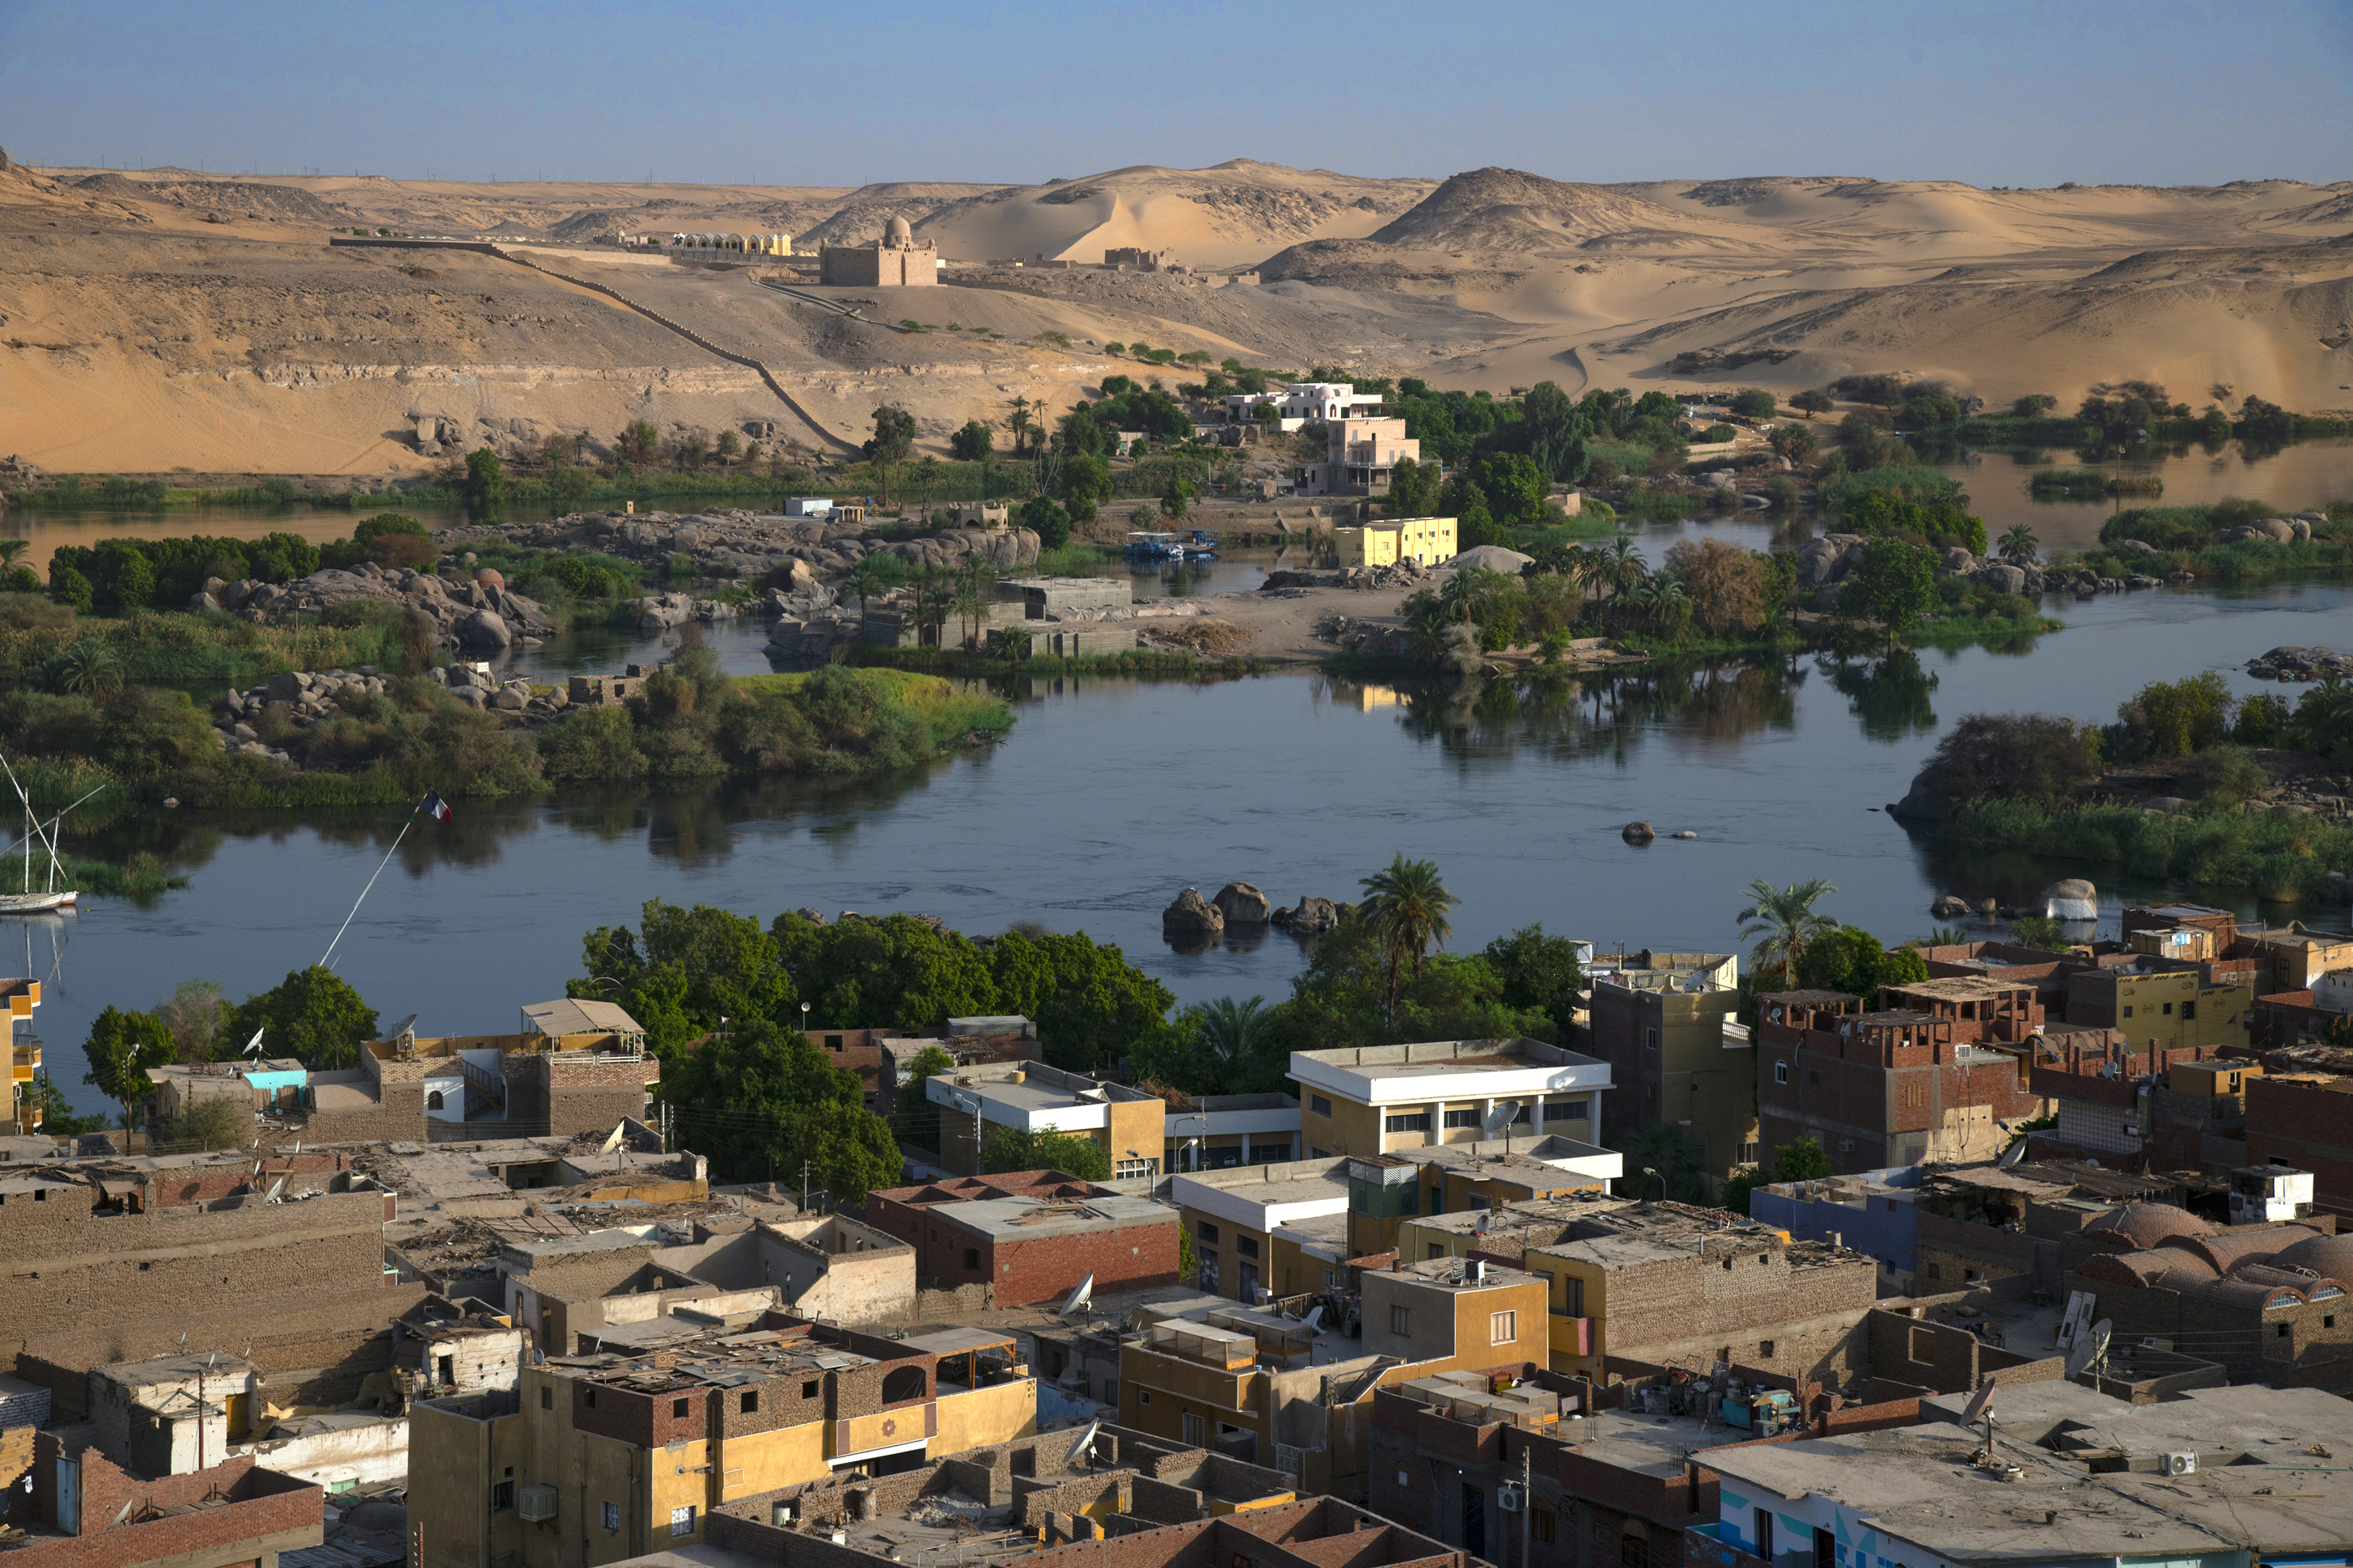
1311 917
1923 802
484 628
1242 904
2070 899
1192 915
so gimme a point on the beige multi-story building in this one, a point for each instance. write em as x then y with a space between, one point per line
1362 451
592 1460
1663 1021
1426 540
1383 1099
1129 1125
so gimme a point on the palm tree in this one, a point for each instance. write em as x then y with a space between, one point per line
1619 566
12 551
971 604
1466 591
2325 715
1232 1030
1665 593
874 575
87 669
1784 919
1406 906
2019 543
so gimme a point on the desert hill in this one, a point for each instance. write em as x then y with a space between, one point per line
163 318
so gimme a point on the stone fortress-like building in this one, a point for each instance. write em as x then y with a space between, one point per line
896 260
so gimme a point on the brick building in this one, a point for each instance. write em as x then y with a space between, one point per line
1029 1235
2297 1110
1879 1089
1663 1021
598 1458
880 1058
2260 1300
81 1510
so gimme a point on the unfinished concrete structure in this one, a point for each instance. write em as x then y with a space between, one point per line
1663 1021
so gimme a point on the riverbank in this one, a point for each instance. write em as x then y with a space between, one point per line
2279 856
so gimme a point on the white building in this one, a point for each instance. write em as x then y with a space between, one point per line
1303 403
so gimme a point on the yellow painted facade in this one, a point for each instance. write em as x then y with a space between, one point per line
1428 540
982 1417
764 1462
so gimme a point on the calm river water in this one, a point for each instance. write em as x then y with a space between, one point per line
1111 796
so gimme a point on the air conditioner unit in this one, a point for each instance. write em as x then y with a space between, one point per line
536 1502
2181 1464
1846 1145
1508 1497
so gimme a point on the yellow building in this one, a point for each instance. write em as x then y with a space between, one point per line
593 1460
24 1053
1384 1100
1427 539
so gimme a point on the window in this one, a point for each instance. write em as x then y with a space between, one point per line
1196 1430
1207 1232
2330 1321
503 1496
681 1520
2190 1010
2168 1009
1651 1038
1417 1122
1319 1105
433 1101
1246 1247
1400 1319
833 1042
1432 1252
677 1408
750 1403
612 1519
1572 1298
546 1397
1524 1114
1780 1072
1462 1118
589 1399
972 1258
1922 1346
1318 1155
1133 1170
2280 1332
1813 1076
1144 1396
1205 1278
1540 1524
1935 1271
1746 1154
1915 1094
1764 1350
448 1367
1568 1111
1502 1328
2127 1012
808 1389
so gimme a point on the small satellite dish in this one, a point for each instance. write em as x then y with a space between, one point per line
123 1512
964 1103
253 1045
406 1027
1502 1117
538 1357
1081 1294
2013 1155
1097 1094
2089 1348
613 1139
1979 1403
1085 1442
275 1188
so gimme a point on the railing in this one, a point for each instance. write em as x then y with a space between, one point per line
490 1086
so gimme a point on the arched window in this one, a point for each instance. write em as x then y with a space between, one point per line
902 1384
433 1101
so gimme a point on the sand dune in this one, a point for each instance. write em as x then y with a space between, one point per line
164 317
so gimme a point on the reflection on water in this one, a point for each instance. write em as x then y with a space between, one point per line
1888 695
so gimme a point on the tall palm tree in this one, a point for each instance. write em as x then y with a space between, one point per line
1786 919
1619 566
12 551
2019 543
1406 907
1232 1030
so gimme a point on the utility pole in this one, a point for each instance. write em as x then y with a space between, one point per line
1527 1503
805 1188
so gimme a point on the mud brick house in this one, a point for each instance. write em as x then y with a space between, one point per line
77 1509
1663 1021
1977 1223
1028 1237
594 1459
1900 1087
2298 1114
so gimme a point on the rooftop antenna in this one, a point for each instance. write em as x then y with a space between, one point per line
1081 1295
1083 1447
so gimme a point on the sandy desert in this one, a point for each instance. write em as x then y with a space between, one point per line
159 320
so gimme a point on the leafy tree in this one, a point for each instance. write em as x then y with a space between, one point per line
1741 1184
1406 906
729 447
1048 522
126 578
2038 757
314 1015
1727 585
1188 1264
58 1118
1793 441
1342 998
1753 402
1894 584
973 442
1018 1149
1801 1160
2175 719
1663 1161
2033 405
761 1099
1086 483
2019 543
1812 402
894 970
486 483
684 971
1414 488
2043 931
218 1122
893 439
194 1013
122 1047
1851 960
68 586
1784 919
2228 775
1178 495
918 1120
1092 1006
1539 972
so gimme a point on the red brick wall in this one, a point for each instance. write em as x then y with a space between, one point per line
2305 1124
262 1503
1128 1258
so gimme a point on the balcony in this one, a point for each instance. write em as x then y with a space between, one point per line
25 1060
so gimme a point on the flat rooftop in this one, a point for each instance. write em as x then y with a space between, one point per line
1034 1219
1434 1058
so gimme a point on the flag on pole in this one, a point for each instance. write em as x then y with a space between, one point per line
435 807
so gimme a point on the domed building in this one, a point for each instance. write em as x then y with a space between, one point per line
897 260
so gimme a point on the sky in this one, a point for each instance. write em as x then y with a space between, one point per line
2157 92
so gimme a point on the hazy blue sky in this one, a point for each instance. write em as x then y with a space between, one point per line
2158 92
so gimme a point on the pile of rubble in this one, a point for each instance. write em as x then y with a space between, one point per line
2300 664
1355 635
1406 573
734 542
308 698
479 614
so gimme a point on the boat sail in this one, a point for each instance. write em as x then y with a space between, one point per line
50 897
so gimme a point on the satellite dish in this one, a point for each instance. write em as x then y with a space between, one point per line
1502 1117
2014 1153
1081 1294
123 1512
253 1045
613 1139
407 1026
1086 1441
2089 1348
965 1103
276 1187
1098 1094
1978 1402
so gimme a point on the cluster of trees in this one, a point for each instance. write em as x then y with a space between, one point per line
693 724
1094 429
313 1016
1906 501
128 576
721 997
